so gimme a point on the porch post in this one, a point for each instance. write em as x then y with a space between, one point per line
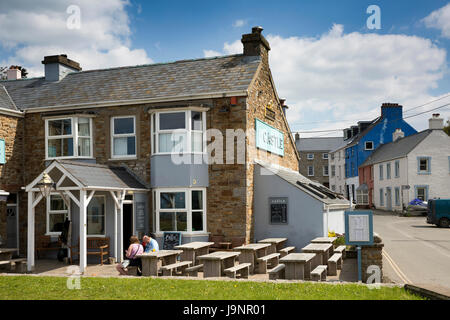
30 231
83 231
116 234
121 249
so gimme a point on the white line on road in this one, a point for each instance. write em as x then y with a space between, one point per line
396 268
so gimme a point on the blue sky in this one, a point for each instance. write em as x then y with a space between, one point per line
330 67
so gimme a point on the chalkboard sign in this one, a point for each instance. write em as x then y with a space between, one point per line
140 216
171 239
278 210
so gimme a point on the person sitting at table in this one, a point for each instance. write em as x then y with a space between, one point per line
150 244
134 249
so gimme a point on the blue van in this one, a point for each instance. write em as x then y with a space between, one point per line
438 212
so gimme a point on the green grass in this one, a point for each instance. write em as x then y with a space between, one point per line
47 288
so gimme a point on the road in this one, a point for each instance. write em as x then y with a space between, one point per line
415 252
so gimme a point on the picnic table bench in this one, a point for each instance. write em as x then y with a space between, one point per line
271 259
251 252
171 269
150 260
326 240
214 264
285 251
321 249
277 272
341 250
193 249
193 271
276 244
242 268
298 265
334 263
319 273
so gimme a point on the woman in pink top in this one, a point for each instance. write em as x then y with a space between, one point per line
134 249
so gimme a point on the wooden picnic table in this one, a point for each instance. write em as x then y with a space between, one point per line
194 249
321 249
276 244
215 263
150 260
6 253
298 266
251 252
326 240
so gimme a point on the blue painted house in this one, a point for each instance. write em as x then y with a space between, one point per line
367 136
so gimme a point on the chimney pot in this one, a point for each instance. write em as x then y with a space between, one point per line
398 133
255 44
257 29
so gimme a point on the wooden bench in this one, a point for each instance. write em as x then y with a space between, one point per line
334 263
132 271
242 268
219 243
193 271
319 273
341 250
170 269
99 245
277 272
20 264
271 259
44 244
286 251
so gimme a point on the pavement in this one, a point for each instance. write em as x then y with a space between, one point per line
414 252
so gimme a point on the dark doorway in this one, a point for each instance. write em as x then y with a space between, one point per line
127 224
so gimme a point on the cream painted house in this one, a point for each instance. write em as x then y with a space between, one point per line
417 166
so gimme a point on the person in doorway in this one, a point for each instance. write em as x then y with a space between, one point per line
134 249
150 244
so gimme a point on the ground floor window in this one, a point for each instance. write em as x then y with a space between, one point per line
96 216
381 198
397 196
422 192
180 210
57 212
362 197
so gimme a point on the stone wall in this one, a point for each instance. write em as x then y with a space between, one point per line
318 163
372 255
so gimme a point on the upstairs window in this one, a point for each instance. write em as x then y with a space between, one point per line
381 172
369 145
325 171
333 171
388 170
178 132
325 156
310 156
123 137
68 137
424 165
310 171
397 169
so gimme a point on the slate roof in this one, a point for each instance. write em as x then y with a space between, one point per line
318 144
95 175
5 100
397 149
313 188
180 78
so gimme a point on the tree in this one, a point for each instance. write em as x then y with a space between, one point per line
447 128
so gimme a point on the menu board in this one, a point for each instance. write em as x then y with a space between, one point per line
358 227
278 209
171 239
140 216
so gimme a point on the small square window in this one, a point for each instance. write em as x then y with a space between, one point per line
369 145
310 156
325 156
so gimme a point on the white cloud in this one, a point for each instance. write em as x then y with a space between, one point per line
439 19
32 30
339 76
239 23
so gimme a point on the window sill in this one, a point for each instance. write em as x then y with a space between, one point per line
123 158
69 158
424 173
185 233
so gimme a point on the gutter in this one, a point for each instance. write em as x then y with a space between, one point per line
239 93
14 113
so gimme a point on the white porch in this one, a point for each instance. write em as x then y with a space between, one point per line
77 183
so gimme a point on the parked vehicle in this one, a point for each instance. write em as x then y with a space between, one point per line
439 212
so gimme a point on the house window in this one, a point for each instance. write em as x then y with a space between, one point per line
325 156
423 165
388 170
362 197
178 132
310 171
381 172
325 171
181 210
332 157
369 145
381 198
333 170
123 137
422 192
96 216
333 187
310 156
57 212
68 137
397 169
397 196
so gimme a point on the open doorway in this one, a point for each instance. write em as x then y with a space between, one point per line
127 223
12 221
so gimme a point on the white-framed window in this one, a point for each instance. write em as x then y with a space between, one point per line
325 171
368 145
180 131
181 210
325 156
424 165
123 137
310 156
310 171
362 197
96 220
69 137
57 212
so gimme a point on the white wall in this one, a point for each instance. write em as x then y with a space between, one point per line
336 221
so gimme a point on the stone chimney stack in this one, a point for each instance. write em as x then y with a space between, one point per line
14 73
436 123
297 136
284 106
255 44
397 134
57 67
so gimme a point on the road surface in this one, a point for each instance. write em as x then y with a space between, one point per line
415 252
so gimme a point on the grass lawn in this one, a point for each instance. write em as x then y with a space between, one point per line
47 288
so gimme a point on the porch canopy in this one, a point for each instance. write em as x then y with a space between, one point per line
78 181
